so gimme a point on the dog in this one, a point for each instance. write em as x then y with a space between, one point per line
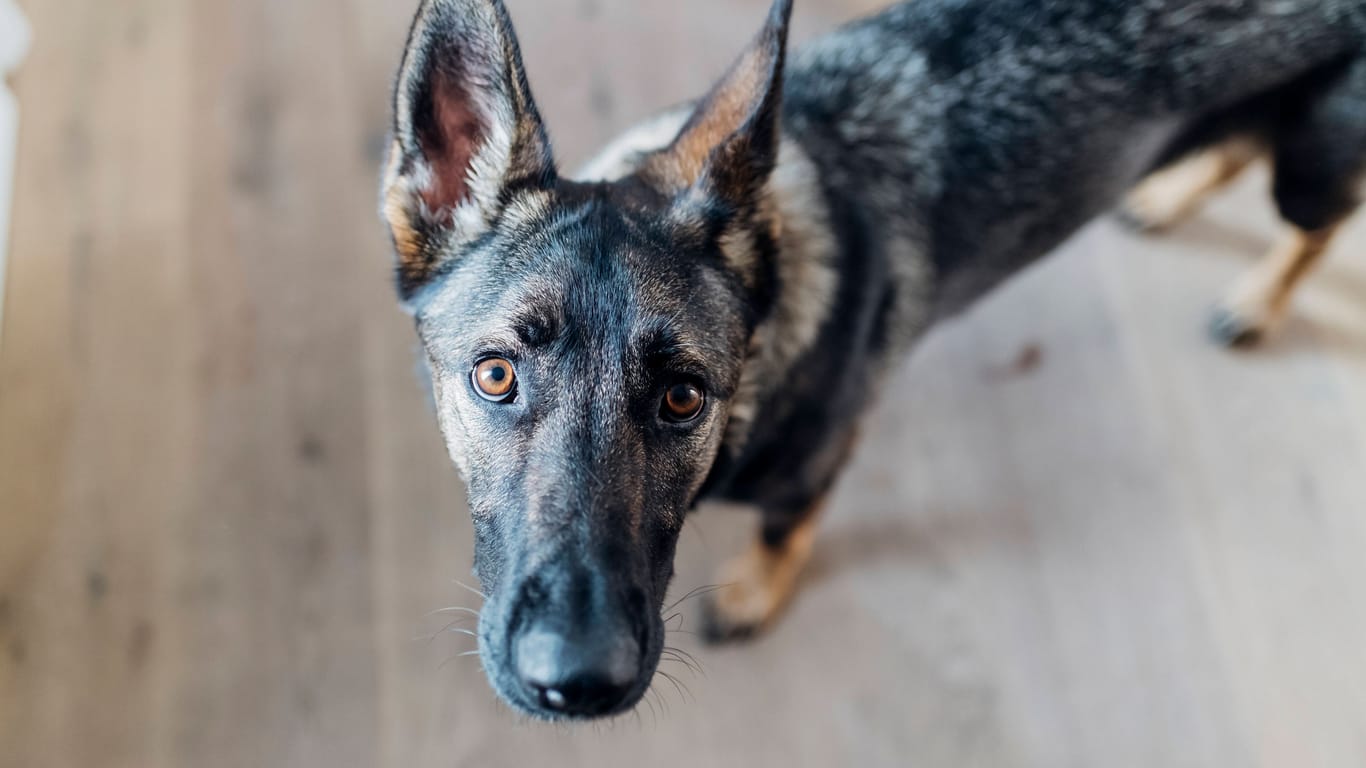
706 311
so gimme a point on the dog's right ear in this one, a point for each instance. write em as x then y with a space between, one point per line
467 137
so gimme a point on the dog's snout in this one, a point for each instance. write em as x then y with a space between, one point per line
578 674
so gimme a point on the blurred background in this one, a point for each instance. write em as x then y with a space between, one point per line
1075 534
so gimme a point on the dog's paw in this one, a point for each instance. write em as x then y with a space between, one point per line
744 604
755 587
1151 208
718 626
1238 328
1249 313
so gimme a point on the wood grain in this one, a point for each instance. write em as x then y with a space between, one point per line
1077 534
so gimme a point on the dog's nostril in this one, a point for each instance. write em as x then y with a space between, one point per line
583 694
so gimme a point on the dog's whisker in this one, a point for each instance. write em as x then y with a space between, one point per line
448 630
674 657
430 636
685 655
472 589
654 713
694 593
678 685
449 627
661 673
683 664
689 594
454 609
463 654
678 629
663 706
443 664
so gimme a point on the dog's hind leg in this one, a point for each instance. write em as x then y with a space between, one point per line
755 586
1320 164
1174 191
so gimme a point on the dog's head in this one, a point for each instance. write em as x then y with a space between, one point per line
585 341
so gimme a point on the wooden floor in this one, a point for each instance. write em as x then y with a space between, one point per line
1076 535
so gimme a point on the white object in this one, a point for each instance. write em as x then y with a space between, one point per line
14 39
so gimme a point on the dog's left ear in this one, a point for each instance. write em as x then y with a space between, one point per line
725 152
467 136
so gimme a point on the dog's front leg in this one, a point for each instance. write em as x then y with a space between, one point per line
755 586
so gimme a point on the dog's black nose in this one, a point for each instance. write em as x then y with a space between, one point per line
585 674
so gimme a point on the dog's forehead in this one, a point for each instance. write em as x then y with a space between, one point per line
581 264
596 259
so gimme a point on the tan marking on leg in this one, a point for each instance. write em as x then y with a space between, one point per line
1258 302
757 584
1167 196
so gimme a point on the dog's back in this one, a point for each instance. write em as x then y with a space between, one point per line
977 134
953 142
957 141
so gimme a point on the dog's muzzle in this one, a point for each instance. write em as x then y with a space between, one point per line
578 641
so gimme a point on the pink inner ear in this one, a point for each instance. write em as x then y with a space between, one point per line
454 135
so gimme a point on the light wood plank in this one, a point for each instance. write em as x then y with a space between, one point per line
225 513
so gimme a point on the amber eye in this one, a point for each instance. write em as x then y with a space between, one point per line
682 402
494 379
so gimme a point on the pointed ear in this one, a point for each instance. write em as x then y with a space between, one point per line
467 136
727 149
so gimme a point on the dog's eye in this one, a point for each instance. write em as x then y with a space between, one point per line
494 379
682 402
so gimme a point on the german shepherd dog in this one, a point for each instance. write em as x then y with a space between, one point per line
707 310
